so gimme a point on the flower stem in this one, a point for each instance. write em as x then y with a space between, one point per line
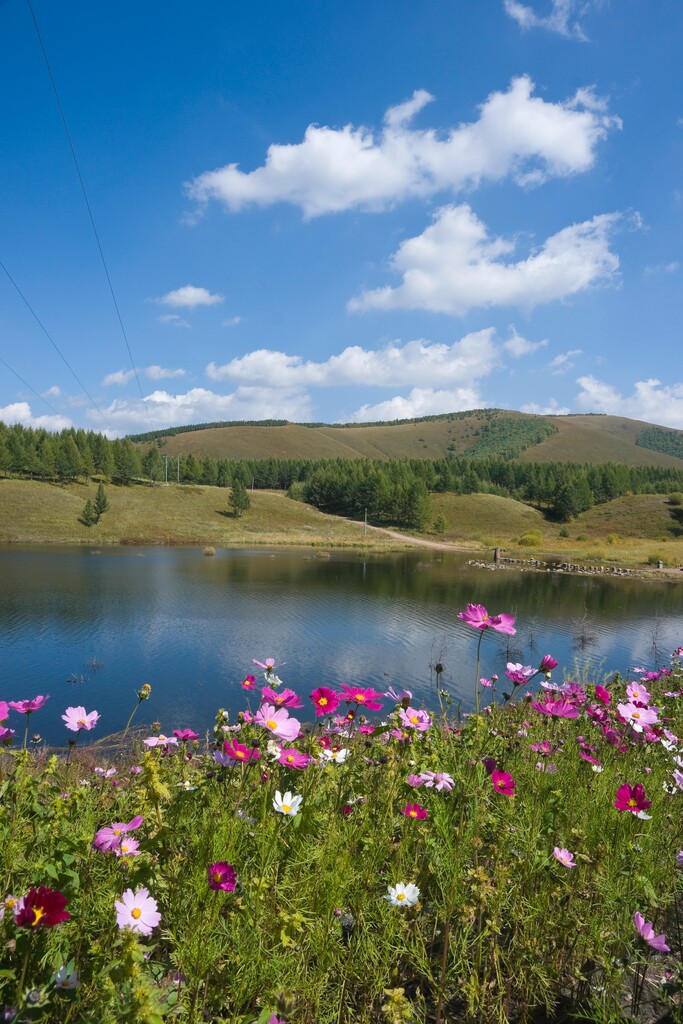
476 672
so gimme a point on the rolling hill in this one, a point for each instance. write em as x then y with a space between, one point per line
589 438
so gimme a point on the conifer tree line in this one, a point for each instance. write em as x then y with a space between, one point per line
394 490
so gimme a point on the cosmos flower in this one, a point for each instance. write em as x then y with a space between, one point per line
161 741
564 856
503 783
558 708
137 910
249 682
64 979
637 692
78 718
398 695
637 717
4 710
647 932
476 616
548 663
413 719
338 755
518 673
631 798
222 876
239 752
415 811
27 707
602 694
41 907
290 757
109 837
362 695
438 780
326 700
286 699
287 804
278 722
403 894
185 734
127 848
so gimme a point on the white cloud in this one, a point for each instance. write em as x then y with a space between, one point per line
420 402
563 17
335 169
564 361
650 400
173 320
552 409
455 266
420 364
232 321
20 412
188 297
663 268
150 372
52 392
199 405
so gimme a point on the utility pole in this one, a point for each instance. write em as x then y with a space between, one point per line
178 469
365 531
166 468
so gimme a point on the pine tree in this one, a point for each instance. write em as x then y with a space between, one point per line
101 503
88 516
239 500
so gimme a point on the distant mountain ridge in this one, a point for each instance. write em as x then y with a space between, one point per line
584 438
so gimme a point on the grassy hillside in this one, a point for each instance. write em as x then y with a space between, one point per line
578 439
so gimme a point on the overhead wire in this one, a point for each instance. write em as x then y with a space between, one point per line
88 208
54 345
27 385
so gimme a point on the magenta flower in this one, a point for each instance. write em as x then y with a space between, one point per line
548 663
41 907
127 848
78 718
632 798
286 699
109 838
559 708
326 701
360 695
589 758
6 735
415 781
602 694
476 615
412 719
4 710
249 682
185 734
240 752
278 722
27 707
647 932
415 811
290 757
222 876
137 910
518 673
564 856
503 783
486 682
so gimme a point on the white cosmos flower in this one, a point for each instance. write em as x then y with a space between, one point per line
403 894
334 755
287 804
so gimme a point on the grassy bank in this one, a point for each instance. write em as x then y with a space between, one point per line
487 870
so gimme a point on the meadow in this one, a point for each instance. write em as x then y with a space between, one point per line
347 856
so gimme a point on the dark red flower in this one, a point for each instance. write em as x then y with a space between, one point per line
42 907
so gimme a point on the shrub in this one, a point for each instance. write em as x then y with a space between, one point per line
582 536
613 538
440 524
564 532
531 539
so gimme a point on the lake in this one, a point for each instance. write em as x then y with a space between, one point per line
90 626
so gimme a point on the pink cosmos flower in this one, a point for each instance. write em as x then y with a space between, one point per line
249 682
412 719
185 734
476 615
365 696
438 780
137 910
589 758
503 783
326 701
638 717
240 752
290 757
4 710
602 695
564 856
544 748
6 734
278 722
222 876
558 708
518 673
415 781
398 695
268 664
109 837
161 741
415 811
78 718
27 707
486 682
127 848
647 932
286 699
548 663
632 798
637 692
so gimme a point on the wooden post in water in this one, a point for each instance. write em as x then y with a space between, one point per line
496 556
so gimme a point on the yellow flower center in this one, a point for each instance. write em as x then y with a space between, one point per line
322 701
412 814
38 912
291 758
632 802
414 719
240 753
80 721
286 808
360 697
216 876
636 714
135 912
117 831
271 724
400 895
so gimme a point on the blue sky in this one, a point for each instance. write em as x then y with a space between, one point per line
341 211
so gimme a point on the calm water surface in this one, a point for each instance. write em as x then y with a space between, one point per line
89 627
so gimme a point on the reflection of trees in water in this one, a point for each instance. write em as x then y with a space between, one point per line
582 634
656 636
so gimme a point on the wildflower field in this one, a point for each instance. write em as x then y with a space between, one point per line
349 856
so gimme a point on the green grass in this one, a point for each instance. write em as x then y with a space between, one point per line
501 931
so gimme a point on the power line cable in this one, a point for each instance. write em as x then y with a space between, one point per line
27 385
55 345
89 209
